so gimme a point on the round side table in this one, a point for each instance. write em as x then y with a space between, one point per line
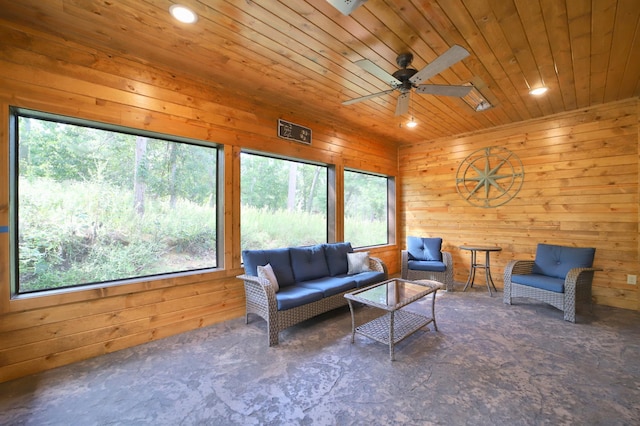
475 265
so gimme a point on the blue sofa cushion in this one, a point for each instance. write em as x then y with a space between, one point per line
279 260
557 261
543 282
364 279
295 295
427 265
336 255
308 263
331 285
424 248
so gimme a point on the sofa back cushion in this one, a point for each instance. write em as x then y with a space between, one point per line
336 255
308 263
278 258
557 261
424 248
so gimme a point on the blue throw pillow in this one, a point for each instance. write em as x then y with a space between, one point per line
308 263
336 254
557 261
424 248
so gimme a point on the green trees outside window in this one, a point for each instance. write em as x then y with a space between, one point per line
366 209
284 203
95 205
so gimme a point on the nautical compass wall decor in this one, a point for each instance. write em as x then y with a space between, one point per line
489 177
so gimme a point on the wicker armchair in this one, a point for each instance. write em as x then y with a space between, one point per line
417 244
261 300
569 279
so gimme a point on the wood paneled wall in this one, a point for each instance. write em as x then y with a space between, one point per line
41 72
580 189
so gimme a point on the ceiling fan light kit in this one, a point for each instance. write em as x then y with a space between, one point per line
407 79
346 6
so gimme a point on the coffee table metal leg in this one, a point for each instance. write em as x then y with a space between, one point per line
391 348
353 322
433 310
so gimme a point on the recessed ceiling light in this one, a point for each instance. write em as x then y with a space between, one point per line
183 14
411 123
538 91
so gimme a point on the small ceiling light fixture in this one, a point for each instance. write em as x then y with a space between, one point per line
411 123
538 91
183 14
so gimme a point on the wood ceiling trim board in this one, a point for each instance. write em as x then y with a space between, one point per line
632 69
624 34
556 22
534 25
485 19
512 28
579 16
603 18
461 18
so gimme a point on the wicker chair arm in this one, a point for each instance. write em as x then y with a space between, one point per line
376 264
259 286
518 267
579 276
404 262
447 259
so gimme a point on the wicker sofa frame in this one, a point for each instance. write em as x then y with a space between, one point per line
577 287
261 301
445 277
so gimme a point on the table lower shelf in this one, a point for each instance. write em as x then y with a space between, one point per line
404 324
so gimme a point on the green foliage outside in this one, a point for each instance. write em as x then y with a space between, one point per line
97 206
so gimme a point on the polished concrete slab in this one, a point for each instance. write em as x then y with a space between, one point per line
490 364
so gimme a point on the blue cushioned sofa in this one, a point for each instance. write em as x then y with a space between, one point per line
558 276
311 280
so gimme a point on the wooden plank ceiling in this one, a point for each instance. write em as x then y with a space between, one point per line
296 55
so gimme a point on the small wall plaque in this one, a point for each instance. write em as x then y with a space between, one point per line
294 132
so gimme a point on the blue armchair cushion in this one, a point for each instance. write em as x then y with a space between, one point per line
336 255
424 248
426 265
557 261
309 263
279 260
543 282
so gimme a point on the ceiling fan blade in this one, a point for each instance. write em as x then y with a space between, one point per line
364 98
443 90
372 68
454 54
403 104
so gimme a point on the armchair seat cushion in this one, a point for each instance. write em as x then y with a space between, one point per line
296 295
543 282
426 265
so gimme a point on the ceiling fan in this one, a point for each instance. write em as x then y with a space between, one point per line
405 79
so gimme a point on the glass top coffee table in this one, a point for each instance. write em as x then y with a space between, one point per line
391 296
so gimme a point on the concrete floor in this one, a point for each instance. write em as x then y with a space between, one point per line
490 364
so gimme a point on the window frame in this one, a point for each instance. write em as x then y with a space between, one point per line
391 205
117 286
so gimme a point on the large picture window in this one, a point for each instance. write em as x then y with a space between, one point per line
93 205
284 203
366 209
